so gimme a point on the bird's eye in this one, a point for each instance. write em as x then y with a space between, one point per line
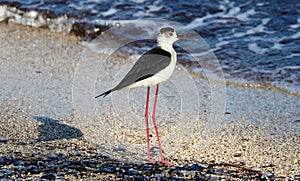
170 33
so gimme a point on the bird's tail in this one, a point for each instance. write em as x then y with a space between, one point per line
104 94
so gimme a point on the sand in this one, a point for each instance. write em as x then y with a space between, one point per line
48 81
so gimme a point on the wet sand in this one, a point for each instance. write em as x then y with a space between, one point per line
40 115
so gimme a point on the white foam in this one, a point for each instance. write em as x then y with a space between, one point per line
200 21
253 47
296 35
259 28
234 11
97 1
3 10
31 14
292 67
109 12
295 26
265 21
148 12
245 16
293 55
138 1
60 24
154 8
35 19
263 4
239 34
141 14
222 7
196 22
277 46
223 42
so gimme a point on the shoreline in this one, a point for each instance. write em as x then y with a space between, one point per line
259 130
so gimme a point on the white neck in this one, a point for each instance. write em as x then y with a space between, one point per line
166 45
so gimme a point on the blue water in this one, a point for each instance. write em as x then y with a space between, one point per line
257 42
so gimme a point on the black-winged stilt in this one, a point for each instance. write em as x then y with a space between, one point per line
152 68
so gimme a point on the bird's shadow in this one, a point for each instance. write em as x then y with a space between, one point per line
51 129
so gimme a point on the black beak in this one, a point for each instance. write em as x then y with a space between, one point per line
183 37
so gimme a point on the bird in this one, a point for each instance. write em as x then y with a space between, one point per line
152 68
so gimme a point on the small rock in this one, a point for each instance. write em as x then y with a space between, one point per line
109 170
196 167
119 149
97 171
90 163
210 171
106 157
6 161
21 143
61 179
3 140
154 149
72 172
132 172
18 162
7 173
34 170
268 175
200 176
77 154
52 156
238 154
147 167
219 172
49 176
176 172
157 176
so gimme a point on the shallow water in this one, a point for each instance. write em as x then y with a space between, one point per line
256 42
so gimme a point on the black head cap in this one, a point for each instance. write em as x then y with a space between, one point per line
166 29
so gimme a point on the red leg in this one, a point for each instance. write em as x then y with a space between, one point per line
156 130
147 123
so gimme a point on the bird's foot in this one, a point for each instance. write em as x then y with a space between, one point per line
166 163
162 162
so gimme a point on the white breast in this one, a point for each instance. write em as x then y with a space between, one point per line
162 75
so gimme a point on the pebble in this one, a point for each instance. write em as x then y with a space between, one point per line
3 140
132 172
72 167
238 154
52 156
210 171
7 173
196 167
90 163
109 170
268 176
49 176
119 149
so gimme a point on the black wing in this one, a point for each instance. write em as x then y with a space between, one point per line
147 65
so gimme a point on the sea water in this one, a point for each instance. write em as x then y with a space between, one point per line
257 43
